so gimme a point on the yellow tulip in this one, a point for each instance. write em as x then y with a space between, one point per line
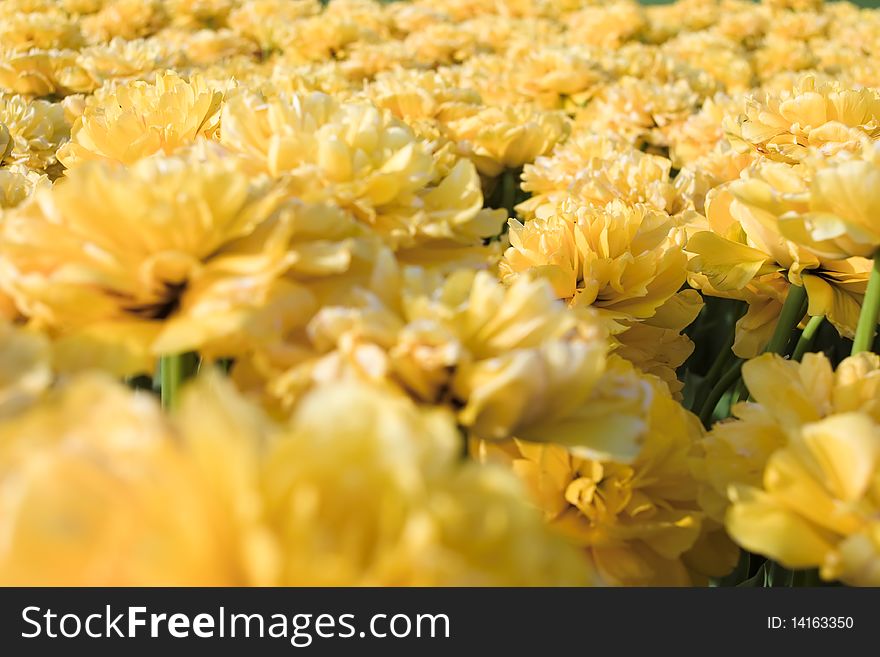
134 120
640 522
412 514
819 502
787 396
116 255
827 116
625 260
117 498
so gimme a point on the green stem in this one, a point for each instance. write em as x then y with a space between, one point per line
170 376
870 309
717 392
805 342
173 371
739 392
715 371
792 313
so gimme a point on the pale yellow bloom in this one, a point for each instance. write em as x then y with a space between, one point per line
826 116
121 253
782 55
208 47
119 60
556 77
597 169
441 43
745 255
131 121
317 38
787 396
512 361
195 13
724 59
412 514
639 522
43 30
696 180
35 72
362 159
625 260
606 24
36 128
834 213
507 138
152 502
18 183
643 111
819 502
263 21
128 19
657 345
702 133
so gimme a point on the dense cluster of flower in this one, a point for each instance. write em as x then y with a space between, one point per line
419 286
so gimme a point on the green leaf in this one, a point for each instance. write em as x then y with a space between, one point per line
757 580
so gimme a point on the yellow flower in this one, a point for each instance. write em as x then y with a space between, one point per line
657 345
511 361
724 59
151 502
820 501
82 7
128 19
263 21
121 253
698 178
796 5
787 396
645 111
625 260
194 13
36 128
138 119
497 138
827 116
783 55
745 255
412 514
17 183
543 385
119 60
607 24
415 94
208 47
441 44
35 72
597 169
316 38
364 160
556 77
639 522
702 132
667 20
315 134
25 31
834 215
